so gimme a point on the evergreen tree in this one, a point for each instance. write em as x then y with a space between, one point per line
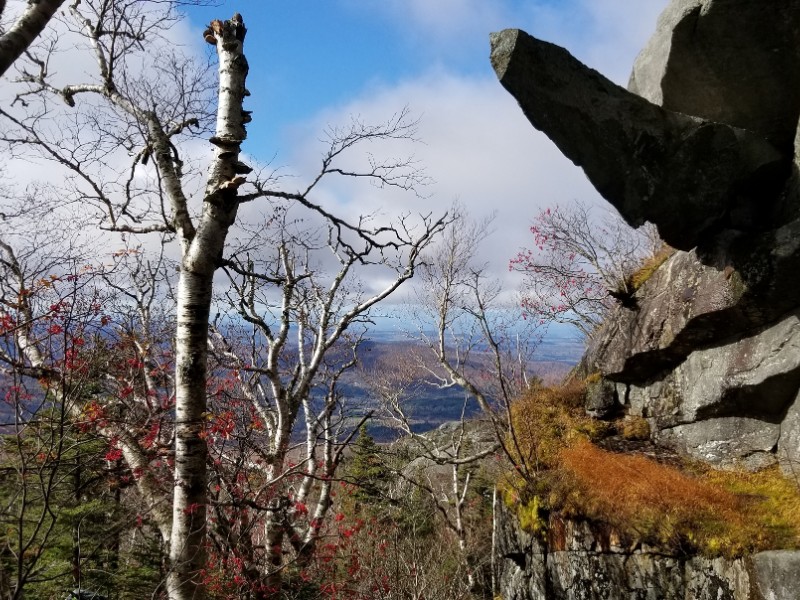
368 470
63 517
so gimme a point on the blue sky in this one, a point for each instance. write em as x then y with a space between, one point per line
317 63
309 56
314 63
305 56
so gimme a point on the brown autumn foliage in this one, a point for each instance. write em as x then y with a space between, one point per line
545 419
683 508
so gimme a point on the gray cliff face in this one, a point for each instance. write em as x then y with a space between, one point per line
699 362
687 65
710 353
711 356
579 562
703 144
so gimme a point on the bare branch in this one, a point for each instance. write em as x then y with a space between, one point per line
579 264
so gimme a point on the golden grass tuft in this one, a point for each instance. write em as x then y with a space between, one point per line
545 419
639 277
595 377
635 428
715 513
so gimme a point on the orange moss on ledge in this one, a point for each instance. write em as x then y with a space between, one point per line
546 419
679 507
714 513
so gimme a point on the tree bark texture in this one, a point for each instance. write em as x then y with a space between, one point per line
199 262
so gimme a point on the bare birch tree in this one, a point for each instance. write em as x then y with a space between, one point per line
306 322
469 338
145 113
443 461
474 335
579 264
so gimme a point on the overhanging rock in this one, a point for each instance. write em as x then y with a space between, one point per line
689 176
730 61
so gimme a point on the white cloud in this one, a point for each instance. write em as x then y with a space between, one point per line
478 147
442 22
604 34
70 61
621 29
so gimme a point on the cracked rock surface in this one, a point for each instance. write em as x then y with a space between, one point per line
586 564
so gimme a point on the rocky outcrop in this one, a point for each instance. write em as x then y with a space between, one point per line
688 65
705 145
707 350
711 357
691 303
688 175
727 403
579 561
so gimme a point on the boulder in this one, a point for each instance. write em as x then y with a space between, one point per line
711 387
717 579
689 176
732 442
728 61
610 576
701 299
520 558
788 450
601 399
755 375
683 305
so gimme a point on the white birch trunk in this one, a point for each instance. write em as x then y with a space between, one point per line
25 30
494 543
200 260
